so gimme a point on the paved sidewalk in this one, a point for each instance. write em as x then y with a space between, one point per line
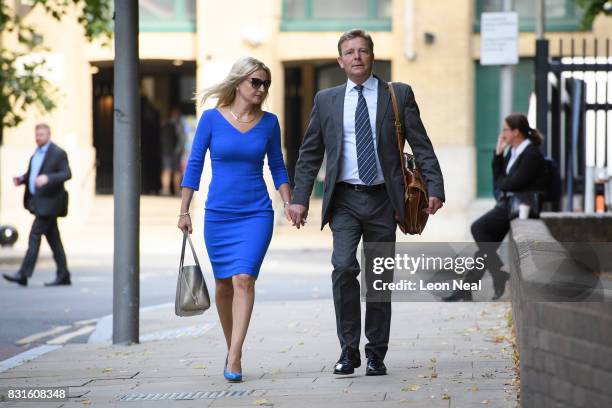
441 355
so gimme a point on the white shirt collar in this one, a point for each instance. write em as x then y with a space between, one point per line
370 84
519 149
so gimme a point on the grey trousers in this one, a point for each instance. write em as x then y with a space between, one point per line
356 215
46 226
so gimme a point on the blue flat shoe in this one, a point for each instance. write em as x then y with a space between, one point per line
231 376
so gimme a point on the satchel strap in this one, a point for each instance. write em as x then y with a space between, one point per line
187 237
398 129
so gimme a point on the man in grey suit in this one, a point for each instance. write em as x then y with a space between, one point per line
364 191
46 198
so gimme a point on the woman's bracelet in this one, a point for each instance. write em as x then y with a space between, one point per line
184 214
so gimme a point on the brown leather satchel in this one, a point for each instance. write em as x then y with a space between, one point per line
416 199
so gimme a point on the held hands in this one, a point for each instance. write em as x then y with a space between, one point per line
501 144
297 214
287 212
184 223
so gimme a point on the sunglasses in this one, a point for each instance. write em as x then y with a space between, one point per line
256 83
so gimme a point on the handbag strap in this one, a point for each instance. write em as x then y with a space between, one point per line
398 130
187 237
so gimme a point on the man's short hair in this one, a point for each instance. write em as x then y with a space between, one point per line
355 33
42 126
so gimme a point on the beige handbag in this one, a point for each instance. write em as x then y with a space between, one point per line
191 291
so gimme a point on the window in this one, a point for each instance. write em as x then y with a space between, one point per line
337 15
561 15
167 15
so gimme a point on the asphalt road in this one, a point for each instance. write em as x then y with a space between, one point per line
37 315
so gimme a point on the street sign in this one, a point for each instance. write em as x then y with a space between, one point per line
499 38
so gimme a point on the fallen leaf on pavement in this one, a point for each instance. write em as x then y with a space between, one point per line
445 396
411 387
107 370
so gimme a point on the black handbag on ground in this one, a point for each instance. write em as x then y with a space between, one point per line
191 292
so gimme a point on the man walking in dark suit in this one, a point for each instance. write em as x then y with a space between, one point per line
46 198
364 190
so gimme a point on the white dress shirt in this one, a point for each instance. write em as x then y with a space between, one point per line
515 153
349 172
36 164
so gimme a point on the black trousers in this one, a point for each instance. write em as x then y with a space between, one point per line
355 215
489 231
46 226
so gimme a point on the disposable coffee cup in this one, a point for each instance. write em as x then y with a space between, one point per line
523 211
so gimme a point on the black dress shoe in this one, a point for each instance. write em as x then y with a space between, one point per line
376 367
459 294
499 284
60 281
16 278
348 362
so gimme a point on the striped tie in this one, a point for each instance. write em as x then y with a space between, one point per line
366 154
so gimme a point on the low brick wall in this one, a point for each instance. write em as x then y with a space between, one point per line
579 227
565 347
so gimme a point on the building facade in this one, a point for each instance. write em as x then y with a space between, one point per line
186 45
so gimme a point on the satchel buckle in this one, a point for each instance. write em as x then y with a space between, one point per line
410 162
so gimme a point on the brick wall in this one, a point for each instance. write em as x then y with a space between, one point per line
565 347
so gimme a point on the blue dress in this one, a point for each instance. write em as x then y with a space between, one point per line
238 218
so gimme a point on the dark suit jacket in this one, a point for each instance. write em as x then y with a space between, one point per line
325 135
528 173
50 200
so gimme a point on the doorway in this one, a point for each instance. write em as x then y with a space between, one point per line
164 84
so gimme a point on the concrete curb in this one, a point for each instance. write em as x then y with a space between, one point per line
26 356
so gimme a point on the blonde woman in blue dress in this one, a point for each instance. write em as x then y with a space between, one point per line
238 219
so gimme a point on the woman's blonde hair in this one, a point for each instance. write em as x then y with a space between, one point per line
225 91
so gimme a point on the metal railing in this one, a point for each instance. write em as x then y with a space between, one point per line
574 112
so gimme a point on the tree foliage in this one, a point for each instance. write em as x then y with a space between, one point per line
22 82
592 8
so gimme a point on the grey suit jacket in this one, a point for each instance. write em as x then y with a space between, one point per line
325 134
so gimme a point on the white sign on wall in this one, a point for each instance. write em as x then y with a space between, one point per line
499 38
51 68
